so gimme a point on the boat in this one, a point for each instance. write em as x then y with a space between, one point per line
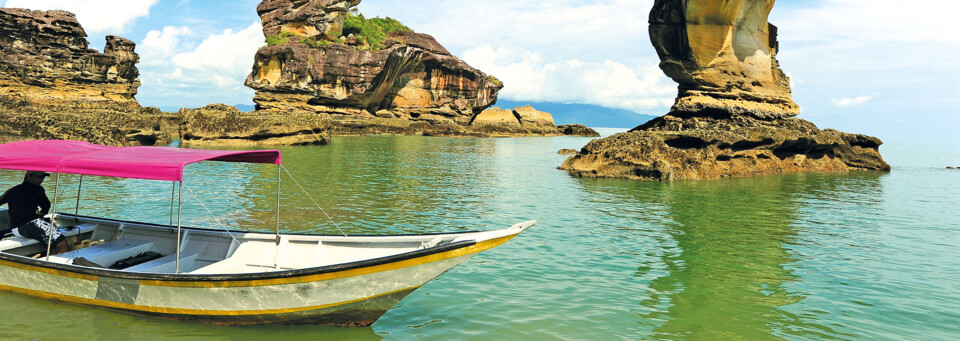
210 274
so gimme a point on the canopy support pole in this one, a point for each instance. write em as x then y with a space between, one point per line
278 204
76 210
173 192
53 215
179 211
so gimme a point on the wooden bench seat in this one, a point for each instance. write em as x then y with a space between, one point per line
105 254
166 264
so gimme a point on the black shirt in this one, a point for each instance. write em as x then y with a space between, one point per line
24 200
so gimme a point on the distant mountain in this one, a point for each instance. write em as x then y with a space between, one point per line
589 115
245 107
586 114
173 108
165 108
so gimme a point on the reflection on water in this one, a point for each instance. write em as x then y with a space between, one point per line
728 271
28 318
800 256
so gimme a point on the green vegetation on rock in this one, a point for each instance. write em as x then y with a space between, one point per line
278 39
371 32
314 43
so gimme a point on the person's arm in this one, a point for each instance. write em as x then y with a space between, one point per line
3 198
44 203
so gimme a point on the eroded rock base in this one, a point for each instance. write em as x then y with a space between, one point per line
704 148
99 122
224 125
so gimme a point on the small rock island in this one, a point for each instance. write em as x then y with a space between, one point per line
734 115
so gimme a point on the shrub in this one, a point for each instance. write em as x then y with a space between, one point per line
278 39
371 31
314 43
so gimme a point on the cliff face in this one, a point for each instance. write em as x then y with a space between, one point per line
305 17
52 86
723 55
411 77
44 58
734 115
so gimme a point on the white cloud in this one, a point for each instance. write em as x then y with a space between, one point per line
213 70
526 76
868 35
850 102
160 45
573 51
568 27
228 53
95 16
870 21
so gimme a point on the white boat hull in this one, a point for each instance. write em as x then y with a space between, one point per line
355 293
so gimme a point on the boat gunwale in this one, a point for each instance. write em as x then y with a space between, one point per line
266 275
67 216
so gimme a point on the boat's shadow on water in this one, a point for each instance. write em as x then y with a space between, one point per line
721 261
22 314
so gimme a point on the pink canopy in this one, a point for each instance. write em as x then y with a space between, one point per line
154 163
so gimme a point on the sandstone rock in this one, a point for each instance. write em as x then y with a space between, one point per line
497 121
567 152
225 125
789 145
496 116
733 116
723 55
308 18
102 122
577 130
44 58
536 121
528 114
414 77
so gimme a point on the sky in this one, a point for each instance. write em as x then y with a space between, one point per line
886 68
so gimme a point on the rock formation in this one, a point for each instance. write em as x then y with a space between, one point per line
496 119
723 55
577 130
535 121
405 84
224 125
734 115
305 17
100 122
412 76
44 58
312 82
52 86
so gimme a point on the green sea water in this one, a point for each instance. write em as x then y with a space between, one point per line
861 255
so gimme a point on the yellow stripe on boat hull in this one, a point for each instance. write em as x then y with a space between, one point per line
162 310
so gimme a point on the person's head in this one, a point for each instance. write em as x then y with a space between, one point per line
35 177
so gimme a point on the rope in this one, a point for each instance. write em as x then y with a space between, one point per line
314 201
211 214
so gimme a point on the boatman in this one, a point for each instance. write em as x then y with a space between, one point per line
28 203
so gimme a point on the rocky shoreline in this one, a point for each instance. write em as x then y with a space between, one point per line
53 86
